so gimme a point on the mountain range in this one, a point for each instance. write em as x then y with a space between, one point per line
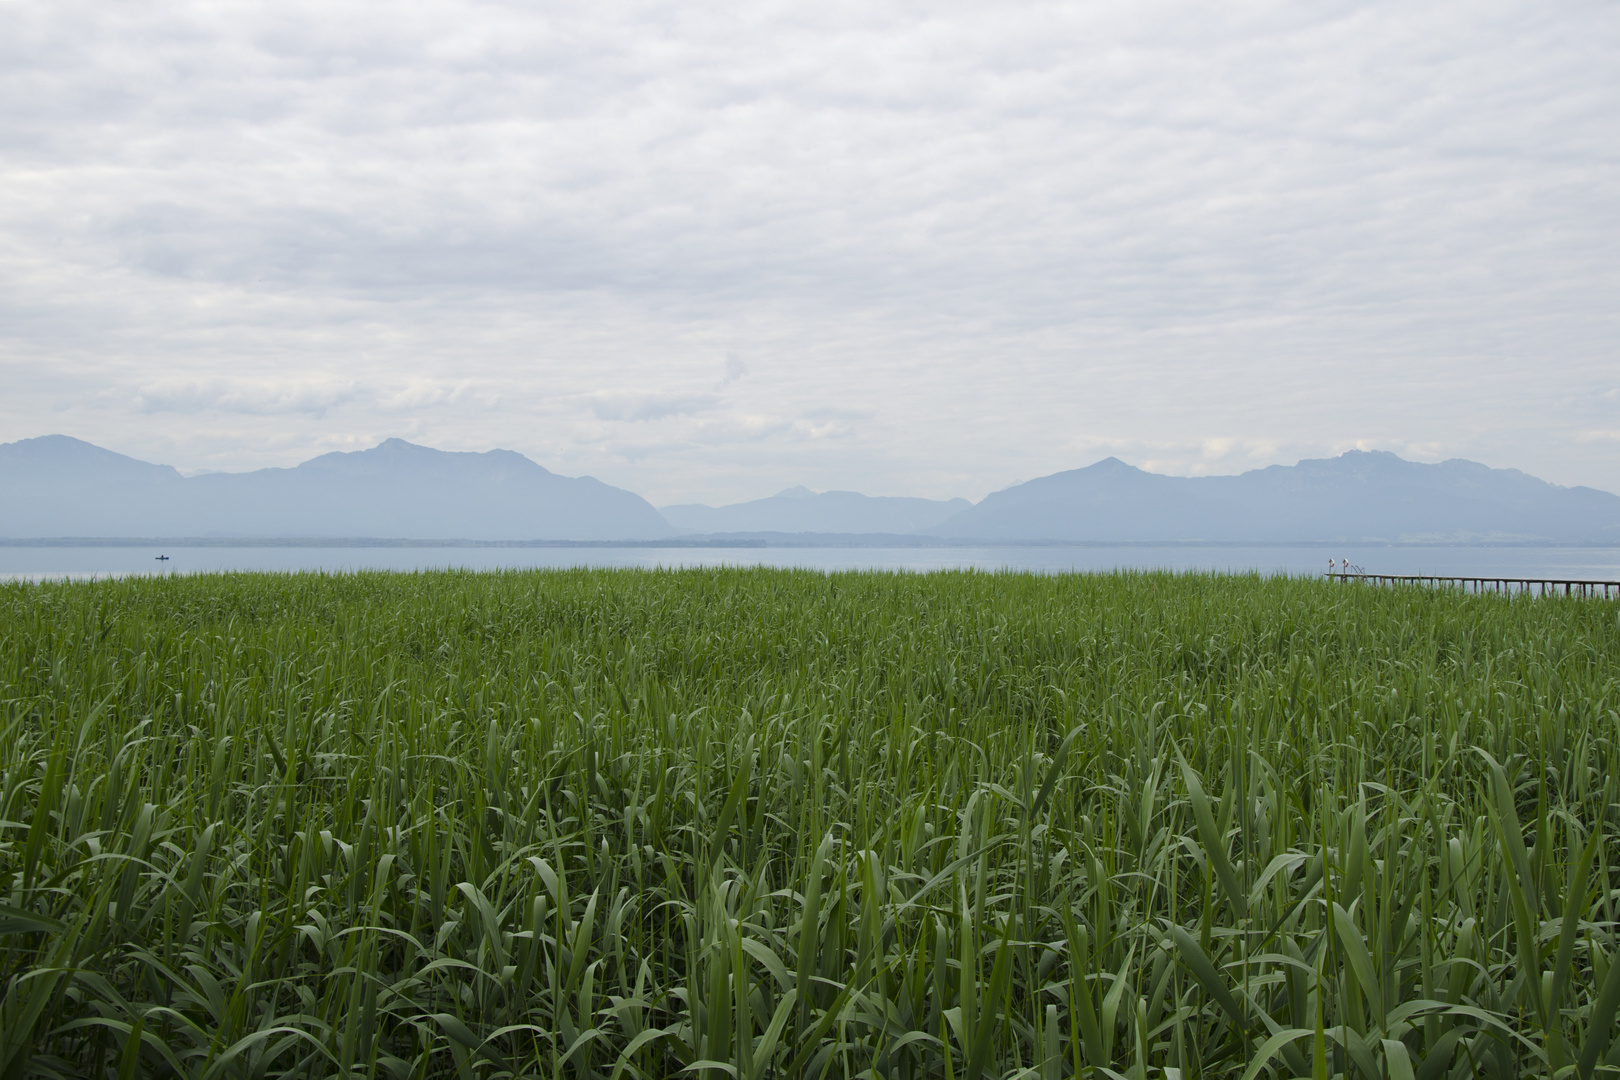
800 510
60 487
1357 496
56 486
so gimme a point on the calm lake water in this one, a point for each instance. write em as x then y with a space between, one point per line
39 563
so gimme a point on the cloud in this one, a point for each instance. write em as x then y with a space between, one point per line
314 397
653 406
256 398
420 394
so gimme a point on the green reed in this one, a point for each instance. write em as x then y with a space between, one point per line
776 824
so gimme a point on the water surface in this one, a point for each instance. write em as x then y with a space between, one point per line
55 562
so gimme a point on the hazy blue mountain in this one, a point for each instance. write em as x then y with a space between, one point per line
58 486
1358 496
800 510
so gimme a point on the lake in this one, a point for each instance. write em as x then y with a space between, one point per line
51 562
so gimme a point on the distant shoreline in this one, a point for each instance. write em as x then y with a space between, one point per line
772 540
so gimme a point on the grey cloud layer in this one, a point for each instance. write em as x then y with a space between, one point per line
1001 237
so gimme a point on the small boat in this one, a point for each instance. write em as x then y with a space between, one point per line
162 558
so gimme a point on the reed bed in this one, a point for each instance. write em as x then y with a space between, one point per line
775 824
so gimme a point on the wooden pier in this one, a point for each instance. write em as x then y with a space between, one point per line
1538 586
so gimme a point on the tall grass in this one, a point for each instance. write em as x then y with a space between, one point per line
768 824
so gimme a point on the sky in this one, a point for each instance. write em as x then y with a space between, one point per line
709 251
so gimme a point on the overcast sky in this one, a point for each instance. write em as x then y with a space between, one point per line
707 251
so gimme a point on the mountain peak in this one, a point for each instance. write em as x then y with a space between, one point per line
395 456
798 491
60 456
62 446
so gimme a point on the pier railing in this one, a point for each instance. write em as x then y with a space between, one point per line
1538 586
